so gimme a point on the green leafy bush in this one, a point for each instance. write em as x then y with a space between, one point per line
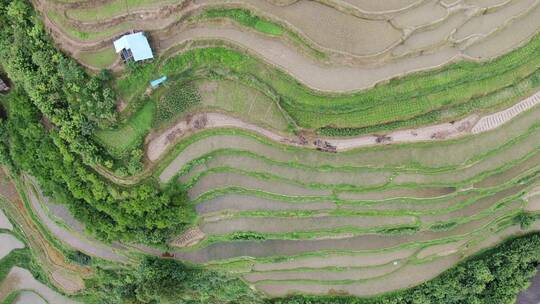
176 100
247 235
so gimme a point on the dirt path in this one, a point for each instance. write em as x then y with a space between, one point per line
159 144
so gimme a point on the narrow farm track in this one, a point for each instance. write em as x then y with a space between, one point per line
159 144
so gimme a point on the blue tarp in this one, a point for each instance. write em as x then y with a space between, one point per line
155 83
137 44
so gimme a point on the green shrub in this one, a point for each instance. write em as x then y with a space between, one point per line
401 230
176 100
247 235
443 226
79 257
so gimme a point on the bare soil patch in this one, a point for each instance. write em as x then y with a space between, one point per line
533 203
267 248
509 174
382 7
475 207
70 283
424 40
423 205
512 153
332 28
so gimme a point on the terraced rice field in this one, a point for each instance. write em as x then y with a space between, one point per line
329 147
19 280
356 221
417 36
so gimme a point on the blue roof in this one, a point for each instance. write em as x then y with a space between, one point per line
137 44
155 83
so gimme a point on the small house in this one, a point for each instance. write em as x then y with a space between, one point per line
133 47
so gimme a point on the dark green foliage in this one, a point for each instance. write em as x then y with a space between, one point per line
401 230
177 100
525 219
71 100
247 235
141 213
168 281
443 226
54 88
79 257
5 158
134 164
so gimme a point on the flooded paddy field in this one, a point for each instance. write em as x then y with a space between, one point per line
281 225
224 180
426 155
398 193
4 221
359 178
268 248
21 279
9 243
319 275
342 260
238 202
415 275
